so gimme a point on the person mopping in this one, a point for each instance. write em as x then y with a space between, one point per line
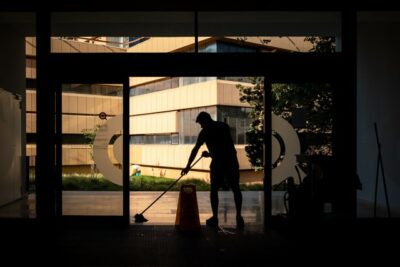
224 167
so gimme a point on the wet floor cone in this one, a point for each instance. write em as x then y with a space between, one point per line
187 214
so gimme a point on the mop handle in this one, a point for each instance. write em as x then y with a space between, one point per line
169 187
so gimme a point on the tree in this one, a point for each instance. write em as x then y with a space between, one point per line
316 102
315 99
90 135
322 44
254 95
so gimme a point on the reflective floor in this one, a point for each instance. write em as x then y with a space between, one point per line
149 244
163 212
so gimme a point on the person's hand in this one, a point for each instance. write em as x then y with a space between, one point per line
185 171
205 154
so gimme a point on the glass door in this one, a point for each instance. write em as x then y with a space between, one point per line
91 148
302 119
163 131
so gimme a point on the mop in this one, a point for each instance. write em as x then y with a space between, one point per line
139 218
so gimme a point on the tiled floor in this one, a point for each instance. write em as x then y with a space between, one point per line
163 212
36 243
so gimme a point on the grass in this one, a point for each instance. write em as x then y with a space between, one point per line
138 183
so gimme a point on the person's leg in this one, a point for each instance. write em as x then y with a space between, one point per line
214 200
213 221
237 195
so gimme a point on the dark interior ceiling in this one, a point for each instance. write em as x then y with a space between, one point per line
204 5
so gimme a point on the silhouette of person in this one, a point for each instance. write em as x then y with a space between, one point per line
224 167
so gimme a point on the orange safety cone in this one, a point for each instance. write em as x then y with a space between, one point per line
187 214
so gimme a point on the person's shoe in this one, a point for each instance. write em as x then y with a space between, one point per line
239 222
212 222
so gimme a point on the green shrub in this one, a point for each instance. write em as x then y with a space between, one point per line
84 183
137 183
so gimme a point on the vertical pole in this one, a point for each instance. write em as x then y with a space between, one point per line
345 121
384 185
45 161
380 164
376 185
267 155
125 152
196 32
58 176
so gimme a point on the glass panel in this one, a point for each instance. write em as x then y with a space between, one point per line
30 117
268 44
92 149
165 32
214 44
122 44
238 118
31 149
122 32
302 120
163 132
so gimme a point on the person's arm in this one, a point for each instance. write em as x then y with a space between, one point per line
193 154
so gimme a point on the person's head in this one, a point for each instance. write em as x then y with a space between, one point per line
203 119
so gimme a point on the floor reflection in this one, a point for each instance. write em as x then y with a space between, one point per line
163 212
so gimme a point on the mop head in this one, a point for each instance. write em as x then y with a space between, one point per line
139 218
